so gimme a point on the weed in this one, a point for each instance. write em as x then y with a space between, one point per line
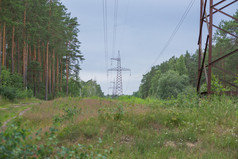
174 118
90 131
17 144
111 113
69 114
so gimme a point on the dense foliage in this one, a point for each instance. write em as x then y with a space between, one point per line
38 41
178 73
81 88
12 87
169 78
91 88
16 143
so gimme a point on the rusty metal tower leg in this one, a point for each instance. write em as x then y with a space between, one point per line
210 48
200 43
208 19
201 55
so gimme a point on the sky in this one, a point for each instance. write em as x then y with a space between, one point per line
144 27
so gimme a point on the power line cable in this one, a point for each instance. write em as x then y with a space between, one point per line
175 31
115 27
105 30
122 34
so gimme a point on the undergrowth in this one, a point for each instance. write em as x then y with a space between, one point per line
185 127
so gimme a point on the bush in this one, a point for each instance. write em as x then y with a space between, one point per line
109 113
21 94
171 84
11 80
12 86
216 85
188 98
16 143
8 92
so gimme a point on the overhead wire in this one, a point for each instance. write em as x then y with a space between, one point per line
122 32
105 30
115 27
174 32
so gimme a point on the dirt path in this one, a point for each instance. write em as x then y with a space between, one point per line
18 105
3 127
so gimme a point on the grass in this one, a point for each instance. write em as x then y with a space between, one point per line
4 103
9 109
133 128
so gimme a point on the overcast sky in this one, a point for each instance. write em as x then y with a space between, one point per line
144 27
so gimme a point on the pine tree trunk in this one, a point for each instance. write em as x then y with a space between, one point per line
34 71
30 76
49 75
4 45
53 72
61 74
57 74
46 71
18 57
13 47
39 59
67 75
30 56
47 59
0 49
0 45
24 61
25 65
24 50
34 53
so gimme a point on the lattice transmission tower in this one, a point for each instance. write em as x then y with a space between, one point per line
113 88
118 69
208 9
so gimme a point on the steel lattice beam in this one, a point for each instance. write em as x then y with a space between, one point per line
208 19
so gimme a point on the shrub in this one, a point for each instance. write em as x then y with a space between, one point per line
27 93
12 86
90 131
171 84
116 113
188 98
174 118
16 143
11 80
216 86
8 92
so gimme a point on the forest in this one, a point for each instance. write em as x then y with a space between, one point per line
40 52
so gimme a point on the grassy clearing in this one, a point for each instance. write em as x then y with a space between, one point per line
10 109
177 128
5 103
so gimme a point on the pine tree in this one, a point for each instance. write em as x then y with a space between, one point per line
36 33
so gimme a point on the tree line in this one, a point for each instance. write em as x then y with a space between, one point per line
38 41
179 74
